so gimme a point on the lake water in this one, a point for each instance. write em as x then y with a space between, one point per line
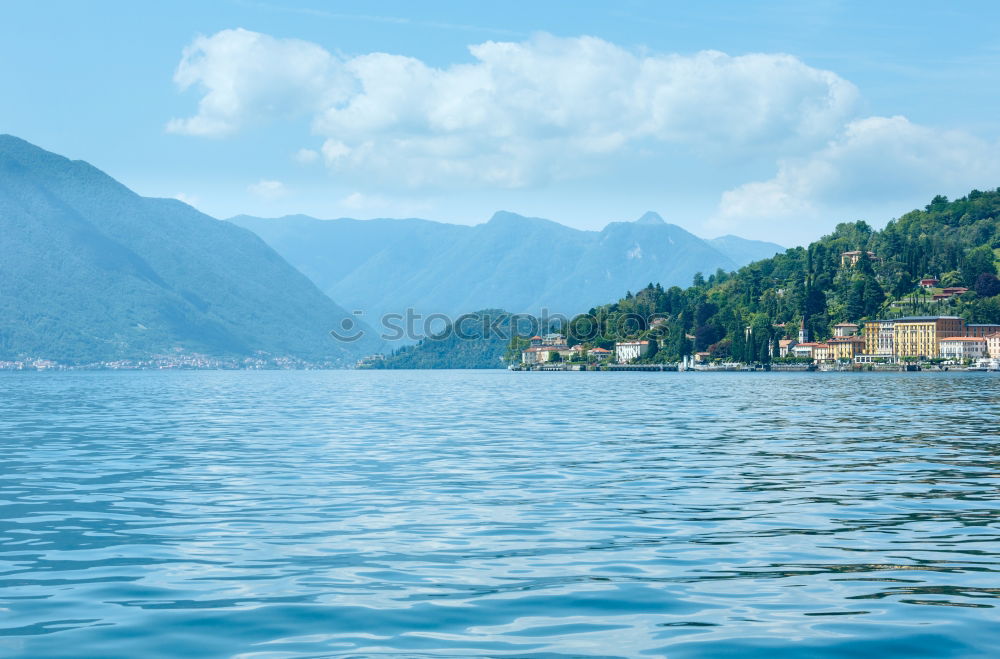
284 514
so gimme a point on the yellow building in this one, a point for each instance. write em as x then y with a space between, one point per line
822 352
993 345
920 336
845 347
852 258
879 338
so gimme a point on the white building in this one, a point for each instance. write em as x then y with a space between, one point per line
629 351
845 329
804 350
963 347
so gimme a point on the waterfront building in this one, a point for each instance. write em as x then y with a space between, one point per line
963 347
804 350
818 352
822 352
920 336
846 347
599 354
879 344
785 346
534 355
845 329
541 352
993 345
370 360
981 329
629 351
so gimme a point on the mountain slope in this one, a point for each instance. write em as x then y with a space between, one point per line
91 271
481 340
519 263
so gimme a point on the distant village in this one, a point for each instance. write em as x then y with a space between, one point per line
168 362
913 340
909 342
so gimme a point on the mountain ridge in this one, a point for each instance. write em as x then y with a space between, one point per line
92 271
510 261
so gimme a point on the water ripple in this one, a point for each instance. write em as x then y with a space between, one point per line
413 514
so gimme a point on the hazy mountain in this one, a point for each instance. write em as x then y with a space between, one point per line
523 264
744 251
89 271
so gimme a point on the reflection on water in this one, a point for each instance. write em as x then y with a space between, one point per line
495 513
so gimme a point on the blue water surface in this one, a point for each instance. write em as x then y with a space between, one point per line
343 513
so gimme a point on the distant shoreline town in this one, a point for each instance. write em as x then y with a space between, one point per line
908 343
187 362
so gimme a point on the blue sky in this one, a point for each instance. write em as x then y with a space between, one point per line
772 121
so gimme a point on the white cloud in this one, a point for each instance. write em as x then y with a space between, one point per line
268 190
306 156
874 163
519 113
248 77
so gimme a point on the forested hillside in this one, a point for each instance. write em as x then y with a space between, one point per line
91 271
473 340
736 315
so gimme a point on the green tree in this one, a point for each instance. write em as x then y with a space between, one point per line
978 260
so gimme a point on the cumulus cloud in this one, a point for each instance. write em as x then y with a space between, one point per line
518 113
878 162
268 190
246 77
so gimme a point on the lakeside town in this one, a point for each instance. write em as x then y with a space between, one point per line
907 343
178 362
